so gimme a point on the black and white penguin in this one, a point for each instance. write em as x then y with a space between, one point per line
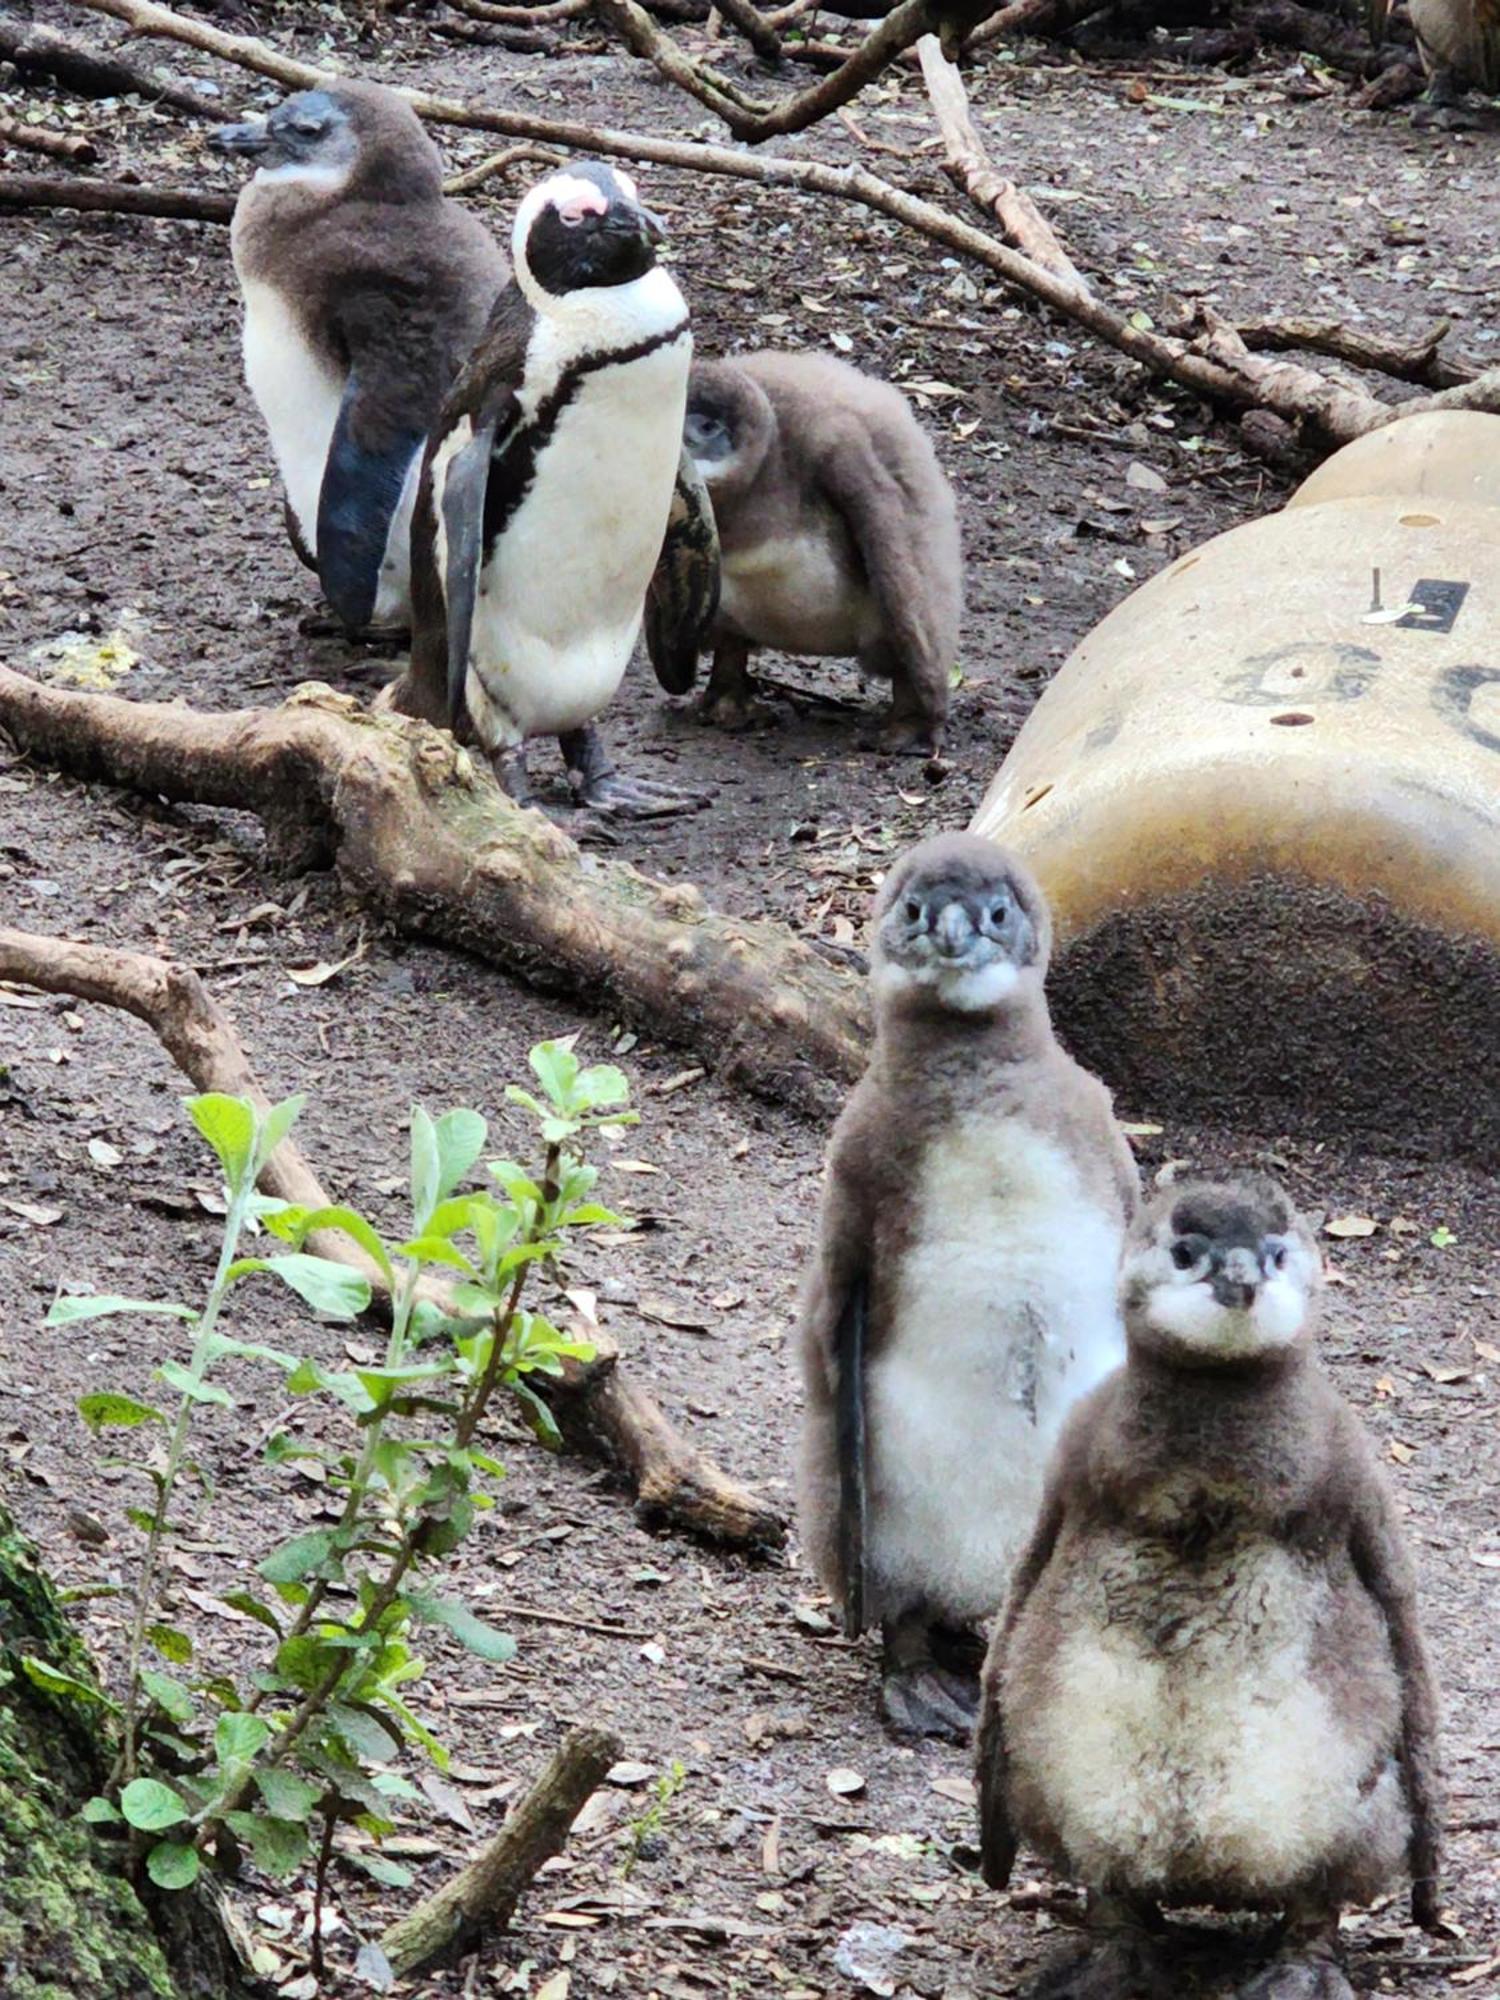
547 489
364 289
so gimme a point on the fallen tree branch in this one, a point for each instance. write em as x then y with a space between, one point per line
545 16
1032 17
37 52
20 191
75 147
481 1899
968 167
709 87
1239 381
1416 360
500 163
753 25
601 1411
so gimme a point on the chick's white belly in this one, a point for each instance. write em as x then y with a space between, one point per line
560 600
297 394
1201 1746
794 592
1006 1314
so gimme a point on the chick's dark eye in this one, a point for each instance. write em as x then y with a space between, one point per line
1184 1256
913 910
1276 1256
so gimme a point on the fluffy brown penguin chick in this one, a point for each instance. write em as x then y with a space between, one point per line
1459 42
838 532
1209 1686
963 1290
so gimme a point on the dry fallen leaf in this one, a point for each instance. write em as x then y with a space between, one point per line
1485 1558
322 972
960 1790
1350 1225
634 1167
1441 1373
1402 1453
628 1775
845 1783
1486 1350
103 1154
35 1212
555 1988
1143 479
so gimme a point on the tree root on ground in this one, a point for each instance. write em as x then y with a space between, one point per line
600 1410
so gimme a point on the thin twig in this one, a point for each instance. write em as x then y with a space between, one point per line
574 1624
499 163
1408 361
75 147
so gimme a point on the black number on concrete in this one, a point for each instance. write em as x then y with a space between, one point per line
1437 606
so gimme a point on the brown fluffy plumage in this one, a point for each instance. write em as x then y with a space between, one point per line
1209 1685
976 1193
838 530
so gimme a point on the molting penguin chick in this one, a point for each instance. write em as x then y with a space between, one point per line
1459 42
364 289
1209 1685
547 487
838 532
963 1291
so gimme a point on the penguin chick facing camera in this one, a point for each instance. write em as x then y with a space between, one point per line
838 535
553 481
962 1295
1209 1685
364 289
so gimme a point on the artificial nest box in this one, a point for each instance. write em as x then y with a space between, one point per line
1264 798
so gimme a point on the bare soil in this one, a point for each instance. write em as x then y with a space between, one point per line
140 513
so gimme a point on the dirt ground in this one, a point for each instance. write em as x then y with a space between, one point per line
141 519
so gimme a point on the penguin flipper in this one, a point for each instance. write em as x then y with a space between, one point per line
683 597
850 1338
458 499
363 480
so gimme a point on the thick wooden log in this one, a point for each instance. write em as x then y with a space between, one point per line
19 191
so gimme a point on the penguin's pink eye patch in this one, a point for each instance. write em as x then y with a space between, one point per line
577 199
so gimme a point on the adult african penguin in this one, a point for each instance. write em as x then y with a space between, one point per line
962 1294
547 490
364 288
838 534
1210 1685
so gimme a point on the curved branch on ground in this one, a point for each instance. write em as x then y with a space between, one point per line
500 163
20 191
600 1410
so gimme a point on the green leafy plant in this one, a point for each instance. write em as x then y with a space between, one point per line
210 1765
646 1829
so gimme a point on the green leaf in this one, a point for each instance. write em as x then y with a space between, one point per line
109 1411
435 1249
170 1696
172 1865
460 1136
517 1183
52 1680
1441 1237
556 1069
487 1641
303 1661
151 1805
170 1643
368 1736
250 1604
287 1795
327 1287
602 1085
308 1375
100 1812
64 1312
274 1127
220 1344
299 1557
295 1224
228 1124
177 1375
382 1385
279 1845
390 1874
588 1214
538 1418
239 1737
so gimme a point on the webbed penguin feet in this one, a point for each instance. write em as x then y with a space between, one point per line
1120 1961
921 1693
511 774
1442 106
1307 1966
599 786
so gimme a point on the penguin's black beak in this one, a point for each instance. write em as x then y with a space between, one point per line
249 139
633 218
1234 1279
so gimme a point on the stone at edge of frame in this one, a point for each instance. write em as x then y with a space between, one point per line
1263 796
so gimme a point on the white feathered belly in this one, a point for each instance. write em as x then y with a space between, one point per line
793 592
298 396
1006 1314
560 601
1178 1733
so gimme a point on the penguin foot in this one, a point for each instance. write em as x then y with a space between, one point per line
1428 117
927 1700
637 798
1300 1976
321 625
908 736
1124 1968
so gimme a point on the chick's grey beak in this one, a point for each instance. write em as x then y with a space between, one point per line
250 138
954 930
1235 1280
639 221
